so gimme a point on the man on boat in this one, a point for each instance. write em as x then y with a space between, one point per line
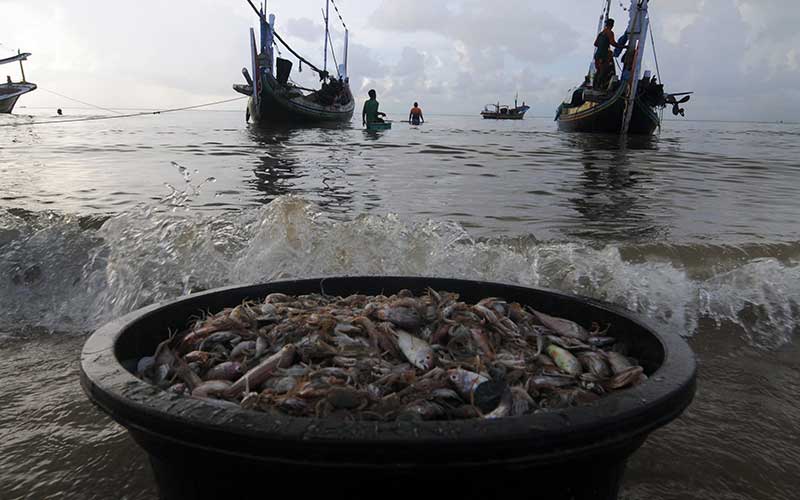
415 116
370 114
603 58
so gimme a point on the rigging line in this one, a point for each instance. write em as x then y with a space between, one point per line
333 52
338 13
77 100
275 33
303 59
145 113
655 56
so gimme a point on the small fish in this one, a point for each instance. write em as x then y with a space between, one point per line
595 364
256 376
630 376
403 317
522 402
423 410
229 370
550 381
504 408
565 360
618 362
243 350
465 381
601 341
561 326
417 351
211 388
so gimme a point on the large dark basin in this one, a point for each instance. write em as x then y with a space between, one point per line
198 450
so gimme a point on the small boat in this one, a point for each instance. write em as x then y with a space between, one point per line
11 91
275 99
626 105
379 125
504 112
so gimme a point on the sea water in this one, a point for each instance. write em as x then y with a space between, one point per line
695 228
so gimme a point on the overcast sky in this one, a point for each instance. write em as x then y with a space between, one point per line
741 57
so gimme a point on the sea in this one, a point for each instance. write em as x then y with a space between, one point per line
695 228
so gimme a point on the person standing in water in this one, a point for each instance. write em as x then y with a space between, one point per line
415 116
370 114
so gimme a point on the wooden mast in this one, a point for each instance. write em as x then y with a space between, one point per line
346 43
325 57
21 68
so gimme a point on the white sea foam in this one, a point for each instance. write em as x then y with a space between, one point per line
61 276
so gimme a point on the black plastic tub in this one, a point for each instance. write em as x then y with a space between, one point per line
198 450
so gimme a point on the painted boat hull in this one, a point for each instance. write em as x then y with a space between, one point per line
10 93
511 114
277 104
606 117
494 116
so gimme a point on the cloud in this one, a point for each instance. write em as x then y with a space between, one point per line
742 57
305 29
492 29
737 68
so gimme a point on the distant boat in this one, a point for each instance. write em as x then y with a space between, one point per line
275 99
504 112
11 91
626 105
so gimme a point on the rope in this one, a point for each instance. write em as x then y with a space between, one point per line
321 73
655 56
301 58
333 52
338 14
145 113
86 103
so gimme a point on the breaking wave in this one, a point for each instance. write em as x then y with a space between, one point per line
69 274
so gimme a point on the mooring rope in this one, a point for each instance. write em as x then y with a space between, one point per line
144 113
82 102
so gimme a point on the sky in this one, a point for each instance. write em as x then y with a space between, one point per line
740 57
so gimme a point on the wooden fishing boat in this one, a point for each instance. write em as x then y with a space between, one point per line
629 104
275 99
504 112
11 91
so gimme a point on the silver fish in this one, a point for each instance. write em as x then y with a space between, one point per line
417 351
465 381
561 326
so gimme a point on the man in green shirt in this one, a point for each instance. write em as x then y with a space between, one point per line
371 113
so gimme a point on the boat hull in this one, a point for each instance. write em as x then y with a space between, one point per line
10 93
607 117
277 104
494 116
379 126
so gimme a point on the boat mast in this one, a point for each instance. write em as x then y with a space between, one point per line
325 57
267 39
346 39
637 38
21 68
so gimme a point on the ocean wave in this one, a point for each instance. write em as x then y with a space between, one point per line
69 274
